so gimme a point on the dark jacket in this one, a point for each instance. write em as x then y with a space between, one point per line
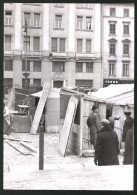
94 124
128 154
107 147
127 125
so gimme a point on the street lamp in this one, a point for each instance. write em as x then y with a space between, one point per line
26 74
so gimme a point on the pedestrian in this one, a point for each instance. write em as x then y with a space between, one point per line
127 125
94 124
107 146
129 147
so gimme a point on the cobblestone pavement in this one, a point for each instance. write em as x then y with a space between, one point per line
70 172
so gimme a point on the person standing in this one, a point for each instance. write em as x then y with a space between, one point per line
94 124
127 125
129 147
107 146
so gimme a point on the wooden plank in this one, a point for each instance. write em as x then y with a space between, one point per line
69 118
81 125
40 107
32 149
15 139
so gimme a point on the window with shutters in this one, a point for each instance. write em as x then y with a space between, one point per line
23 65
112 12
125 29
126 12
8 65
58 66
37 82
84 83
27 18
58 22
88 23
8 18
28 43
88 45
7 42
112 29
125 69
36 19
79 67
112 68
36 43
79 22
79 45
36 66
89 67
58 45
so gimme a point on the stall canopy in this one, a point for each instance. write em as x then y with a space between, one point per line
53 93
120 93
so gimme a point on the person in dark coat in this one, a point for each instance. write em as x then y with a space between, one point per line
129 152
127 125
94 124
107 146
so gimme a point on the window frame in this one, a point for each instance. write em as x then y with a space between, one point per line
37 79
79 25
8 67
125 70
79 67
23 65
58 24
60 66
9 46
90 68
38 49
36 67
80 51
112 68
125 14
8 18
90 46
112 13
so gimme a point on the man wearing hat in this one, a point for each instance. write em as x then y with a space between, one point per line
107 146
127 125
94 124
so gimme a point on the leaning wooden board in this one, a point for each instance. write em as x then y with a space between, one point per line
40 107
69 118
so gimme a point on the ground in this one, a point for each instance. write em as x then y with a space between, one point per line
60 173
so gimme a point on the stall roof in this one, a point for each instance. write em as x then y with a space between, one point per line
116 93
53 93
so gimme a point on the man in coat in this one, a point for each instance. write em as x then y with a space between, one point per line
94 124
107 146
129 147
127 125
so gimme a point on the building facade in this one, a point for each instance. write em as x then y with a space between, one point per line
66 44
118 43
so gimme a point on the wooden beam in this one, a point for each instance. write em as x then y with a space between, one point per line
69 118
40 108
81 124
32 149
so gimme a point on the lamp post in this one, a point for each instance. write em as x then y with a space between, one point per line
26 74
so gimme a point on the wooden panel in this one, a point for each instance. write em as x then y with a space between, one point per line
40 108
69 118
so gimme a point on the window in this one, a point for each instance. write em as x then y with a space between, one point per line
8 83
79 45
62 45
88 46
8 18
125 69
28 43
88 23
88 5
112 68
79 67
37 82
89 67
23 65
112 12
36 43
36 20
23 83
58 44
79 22
112 45
126 29
8 42
54 44
126 12
27 18
58 67
58 21
125 48
84 83
112 29
8 65
37 66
